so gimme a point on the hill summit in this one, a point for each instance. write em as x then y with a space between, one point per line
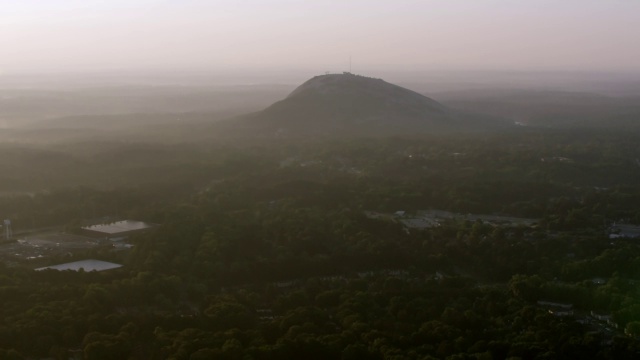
352 104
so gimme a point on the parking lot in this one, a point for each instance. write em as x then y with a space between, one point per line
37 246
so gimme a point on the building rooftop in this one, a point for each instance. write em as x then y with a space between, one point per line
86 265
118 227
625 230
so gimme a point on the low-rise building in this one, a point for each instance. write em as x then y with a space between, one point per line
625 231
557 309
86 265
116 231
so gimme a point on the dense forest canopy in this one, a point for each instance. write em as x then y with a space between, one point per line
265 250
355 180
502 242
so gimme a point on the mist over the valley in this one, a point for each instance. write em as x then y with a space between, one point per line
119 100
356 180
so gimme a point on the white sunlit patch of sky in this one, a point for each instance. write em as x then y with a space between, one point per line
545 34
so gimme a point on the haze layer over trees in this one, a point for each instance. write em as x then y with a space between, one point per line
283 233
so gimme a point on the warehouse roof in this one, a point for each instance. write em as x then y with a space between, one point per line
118 227
86 265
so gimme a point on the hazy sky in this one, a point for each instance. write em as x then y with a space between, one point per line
69 35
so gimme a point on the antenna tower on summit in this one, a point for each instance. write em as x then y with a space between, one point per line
8 234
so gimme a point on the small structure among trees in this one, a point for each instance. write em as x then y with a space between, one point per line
116 231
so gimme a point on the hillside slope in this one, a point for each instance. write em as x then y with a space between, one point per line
351 104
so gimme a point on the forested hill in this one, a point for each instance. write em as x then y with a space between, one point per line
338 104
